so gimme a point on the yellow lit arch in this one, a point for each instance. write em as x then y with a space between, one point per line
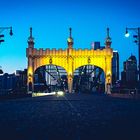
70 59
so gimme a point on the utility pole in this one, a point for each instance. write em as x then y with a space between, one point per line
137 41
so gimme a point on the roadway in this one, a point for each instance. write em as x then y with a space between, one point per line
72 117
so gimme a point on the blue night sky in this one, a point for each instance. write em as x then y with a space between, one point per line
51 19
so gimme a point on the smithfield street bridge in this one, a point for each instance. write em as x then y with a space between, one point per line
70 59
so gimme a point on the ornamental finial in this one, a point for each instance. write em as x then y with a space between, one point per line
31 32
70 32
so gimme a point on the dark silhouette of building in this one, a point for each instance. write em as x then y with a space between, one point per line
95 45
129 76
13 83
115 67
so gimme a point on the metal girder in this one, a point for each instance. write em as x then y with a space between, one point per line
96 78
50 74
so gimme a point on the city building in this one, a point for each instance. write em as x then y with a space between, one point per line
13 83
115 67
129 76
95 45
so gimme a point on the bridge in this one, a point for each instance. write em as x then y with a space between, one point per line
70 59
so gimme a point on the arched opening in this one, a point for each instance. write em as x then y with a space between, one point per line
50 78
89 79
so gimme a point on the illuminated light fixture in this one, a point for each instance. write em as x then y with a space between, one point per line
52 93
82 72
89 60
60 93
127 33
50 61
42 94
30 75
108 74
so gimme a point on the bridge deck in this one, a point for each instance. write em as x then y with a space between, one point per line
83 117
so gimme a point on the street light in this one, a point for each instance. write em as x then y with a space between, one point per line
11 32
137 41
127 33
2 40
2 29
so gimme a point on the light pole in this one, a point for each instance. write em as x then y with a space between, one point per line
2 35
137 41
2 40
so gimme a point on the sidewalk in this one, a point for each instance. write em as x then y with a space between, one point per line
126 96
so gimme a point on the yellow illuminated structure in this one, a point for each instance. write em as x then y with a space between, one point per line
70 59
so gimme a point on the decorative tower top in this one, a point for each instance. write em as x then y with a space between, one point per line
108 40
31 32
31 39
70 31
70 39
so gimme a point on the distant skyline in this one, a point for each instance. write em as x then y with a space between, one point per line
51 19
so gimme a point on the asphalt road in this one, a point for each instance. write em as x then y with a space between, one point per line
72 117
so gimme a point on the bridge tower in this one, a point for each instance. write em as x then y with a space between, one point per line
108 70
70 59
70 72
30 72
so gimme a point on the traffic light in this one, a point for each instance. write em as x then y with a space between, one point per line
1 40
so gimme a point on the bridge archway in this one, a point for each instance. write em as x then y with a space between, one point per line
70 59
89 79
49 78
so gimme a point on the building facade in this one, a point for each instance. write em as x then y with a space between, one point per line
129 76
115 67
13 83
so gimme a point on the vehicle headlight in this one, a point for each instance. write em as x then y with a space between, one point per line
60 93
